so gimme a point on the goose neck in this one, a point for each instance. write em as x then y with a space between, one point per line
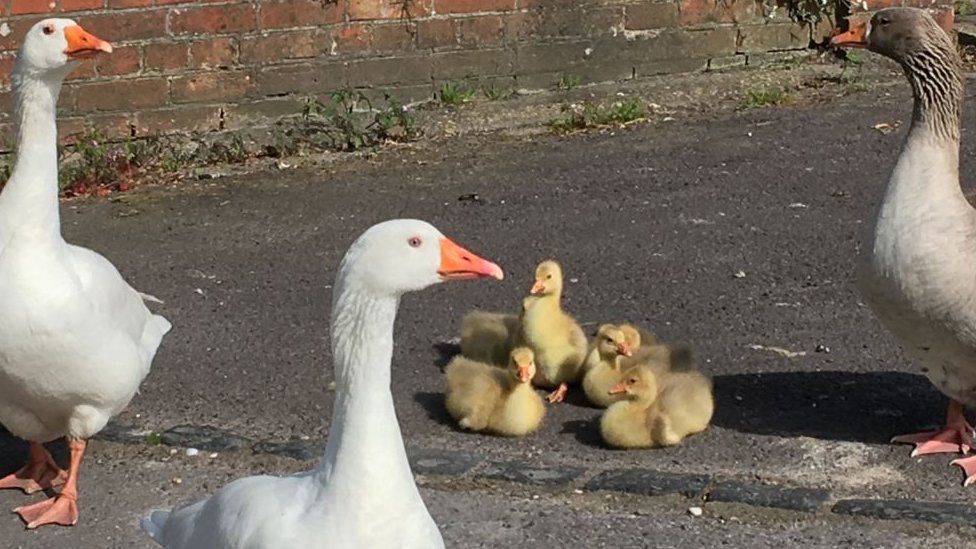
934 75
365 461
29 201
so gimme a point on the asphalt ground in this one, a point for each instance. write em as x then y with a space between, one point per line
736 233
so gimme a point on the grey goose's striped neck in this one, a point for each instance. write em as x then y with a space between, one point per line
934 74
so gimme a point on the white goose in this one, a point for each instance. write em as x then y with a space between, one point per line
918 263
362 494
75 339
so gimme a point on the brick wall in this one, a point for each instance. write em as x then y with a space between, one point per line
224 64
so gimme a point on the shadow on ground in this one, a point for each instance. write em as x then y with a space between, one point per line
433 403
13 452
837 405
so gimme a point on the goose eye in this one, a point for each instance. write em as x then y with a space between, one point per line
48 29
548 276
414 242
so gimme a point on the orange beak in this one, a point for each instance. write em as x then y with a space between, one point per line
523 374
82 44
855 37
538 287
624 349
618 389
460 264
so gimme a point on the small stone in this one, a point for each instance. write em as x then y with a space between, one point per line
822 348
695 511
739 274
177 481
191 452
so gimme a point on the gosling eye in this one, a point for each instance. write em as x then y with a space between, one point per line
548 276
414 241
48 29
632 381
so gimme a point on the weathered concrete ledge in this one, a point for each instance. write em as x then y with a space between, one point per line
699 489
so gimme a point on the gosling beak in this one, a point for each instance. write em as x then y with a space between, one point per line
538 287
855 37
460 264
617 389
624 349
523 374
82 44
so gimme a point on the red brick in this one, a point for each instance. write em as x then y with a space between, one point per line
166 57
181 119
84 71
486 30
122 60
122 95
284 46
18 28
80 5
654 15
299 13
697 12
520 26
19 7
137 25
472 6
119 4
6 66
112 126
213 20
351 39
436 33
219 52
945 17
211 86
395 37
360 10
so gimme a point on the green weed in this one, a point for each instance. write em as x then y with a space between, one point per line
588 115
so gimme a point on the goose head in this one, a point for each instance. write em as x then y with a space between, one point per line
611 341
406 255
548 279
639 384
56 46
896 33
522 364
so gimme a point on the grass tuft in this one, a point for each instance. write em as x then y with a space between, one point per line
588 115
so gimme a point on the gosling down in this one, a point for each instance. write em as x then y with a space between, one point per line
657 410
556 339
603 364
481 397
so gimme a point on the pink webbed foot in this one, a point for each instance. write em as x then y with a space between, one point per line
40 473
559 394
968 465
945 441
955 437
61 509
